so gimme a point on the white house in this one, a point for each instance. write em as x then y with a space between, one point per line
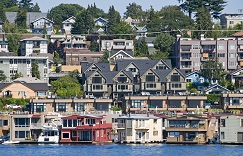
100 22
33 45
140 129
3 43
37 26
67 24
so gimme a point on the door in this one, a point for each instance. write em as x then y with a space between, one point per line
240 137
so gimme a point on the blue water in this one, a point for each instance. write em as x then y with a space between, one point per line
120 150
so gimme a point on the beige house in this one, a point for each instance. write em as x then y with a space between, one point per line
139 129
4 124
191 129
19 89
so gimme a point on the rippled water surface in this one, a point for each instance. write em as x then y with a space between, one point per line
120 150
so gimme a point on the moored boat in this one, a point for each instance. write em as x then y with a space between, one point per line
49 135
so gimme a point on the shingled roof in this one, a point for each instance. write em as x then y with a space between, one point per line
33 86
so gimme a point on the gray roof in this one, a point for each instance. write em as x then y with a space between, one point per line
31 16
129 52
50 56
32 86
35 38
162 74
101 66
108 75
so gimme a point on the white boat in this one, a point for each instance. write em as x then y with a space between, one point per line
10 142
49 135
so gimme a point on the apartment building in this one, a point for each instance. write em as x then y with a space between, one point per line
191 54
231 131
23 64
230 20
139 129
117 44
4 124
191 129
159 103
33 45
232 101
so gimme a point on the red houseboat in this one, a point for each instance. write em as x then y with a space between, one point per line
86 129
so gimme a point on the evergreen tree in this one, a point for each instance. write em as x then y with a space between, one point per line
154 21
203 22
26 4
35 8
113 19
143 48
134 11
35 70
21 18
94 46
2 15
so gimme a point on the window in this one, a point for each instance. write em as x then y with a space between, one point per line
176 85
188 80
155 133
222 123
161 66
122 87
222 136
38 107
155 121
90 121
21 134
152 85
196 55
196 46
232 46
96 79
97 87
231 63
122 79
241 122
136 104
64 123
150 78
201 80
221 47
232 55
174 134
22 122
80 107
231 22
175 78
195 63
221 54
61 107
65 135
3 123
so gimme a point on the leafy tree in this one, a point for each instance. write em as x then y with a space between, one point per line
203 22
122 28
174 19
2 15
212 98
159 55
191 86
134 11
2 76
57 60
26 4
8 3
21 18
212 69
96 12
35 70
16 75
192 6
164 42
63 12
94 46
13 37
113 19
105 56
217 33
67 86
154 21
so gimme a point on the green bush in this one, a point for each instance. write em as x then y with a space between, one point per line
212 98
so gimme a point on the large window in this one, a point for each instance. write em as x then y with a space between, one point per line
175 78
61 107
22 122
136 103
90 121
21 134
97 80
3 123
122 87
150 78
176 85
97 87
122 79
38 107
152 85
65 135
80 107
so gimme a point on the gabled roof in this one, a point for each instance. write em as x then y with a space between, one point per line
100 18
162 74
126 73
121 51
139 29
101 66
32 86
68 20
194 72
216 87
236 71
107 75
42 18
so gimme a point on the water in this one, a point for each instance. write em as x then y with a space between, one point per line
120 150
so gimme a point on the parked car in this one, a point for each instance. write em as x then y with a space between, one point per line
13 106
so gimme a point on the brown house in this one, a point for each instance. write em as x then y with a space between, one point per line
23 90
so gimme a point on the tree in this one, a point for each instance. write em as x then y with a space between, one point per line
154 21
94 46
16 75
84 23
21 18
35 8
2 76
192 6
174 19
67 86
122 28
8 3
13 37
2 15
96 12
26 4
113 19
203 22
105 56
212 69
35 70
63 11
142 48
134 11
164 42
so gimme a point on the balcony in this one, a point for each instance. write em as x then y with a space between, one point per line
141 126
36 125
121 126
185 66
240 58
185 58
187 128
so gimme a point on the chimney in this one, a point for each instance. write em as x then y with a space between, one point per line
202 37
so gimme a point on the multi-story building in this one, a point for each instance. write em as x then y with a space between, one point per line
67 24
232 101
23 64
85 128
4 124
33 45
42 25
230 20
139 129
231 131
191 128
3 42
117 44
191 54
